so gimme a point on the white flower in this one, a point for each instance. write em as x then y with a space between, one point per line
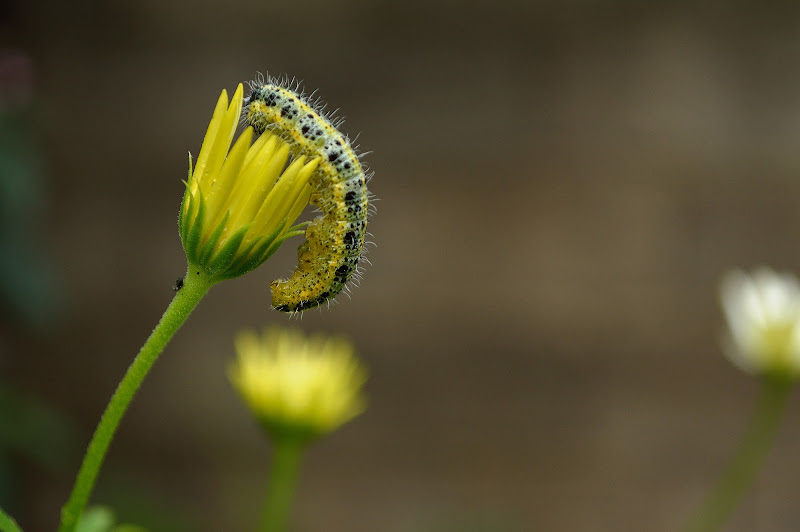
763 314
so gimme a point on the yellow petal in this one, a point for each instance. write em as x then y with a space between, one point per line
277 205
305 192
208 141
257 179
222 139
218 197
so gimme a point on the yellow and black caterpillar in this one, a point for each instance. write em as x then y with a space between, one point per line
329 256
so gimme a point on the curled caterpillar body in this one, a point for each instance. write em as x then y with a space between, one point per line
329 256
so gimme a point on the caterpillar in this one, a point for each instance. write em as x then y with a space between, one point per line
328 258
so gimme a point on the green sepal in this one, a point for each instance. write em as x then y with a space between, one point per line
300 227
183 219
211 244
220 264
274 247
259 253
255 260
248 257
271 251
290 234
195 230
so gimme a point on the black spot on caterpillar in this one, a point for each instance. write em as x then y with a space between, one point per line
328 258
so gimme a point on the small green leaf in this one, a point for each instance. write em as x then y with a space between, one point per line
96 519
7 523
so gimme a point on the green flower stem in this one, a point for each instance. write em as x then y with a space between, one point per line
195 286
742 469
283 478
7 523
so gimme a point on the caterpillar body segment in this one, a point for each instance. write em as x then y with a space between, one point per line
329 257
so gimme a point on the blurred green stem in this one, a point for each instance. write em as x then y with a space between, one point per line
7 524
742 469
195 286
283 478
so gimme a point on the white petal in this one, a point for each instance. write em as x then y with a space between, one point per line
763 315
742 361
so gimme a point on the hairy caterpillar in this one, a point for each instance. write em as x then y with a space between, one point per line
329 256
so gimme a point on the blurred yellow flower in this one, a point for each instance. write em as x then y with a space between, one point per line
296 386
240 203
763 315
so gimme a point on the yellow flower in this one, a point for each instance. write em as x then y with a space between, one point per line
295 386
763 314
240 203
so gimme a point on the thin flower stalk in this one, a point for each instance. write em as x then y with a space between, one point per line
762 311
240 204
298 389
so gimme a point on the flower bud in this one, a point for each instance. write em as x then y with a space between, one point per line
240 203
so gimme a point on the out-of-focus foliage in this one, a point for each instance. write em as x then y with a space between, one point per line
32 431
102 519
28 286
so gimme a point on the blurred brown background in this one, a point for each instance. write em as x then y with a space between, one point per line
560 186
